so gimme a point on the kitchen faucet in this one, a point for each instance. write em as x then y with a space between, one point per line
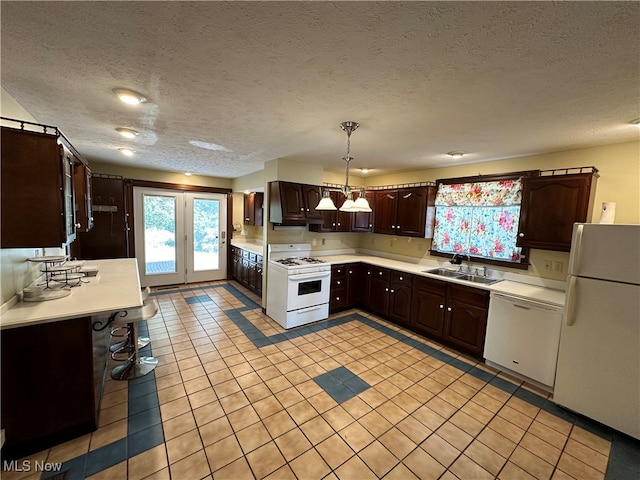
457 260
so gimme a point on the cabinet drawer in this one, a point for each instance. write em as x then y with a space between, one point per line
338 271
259 259
401 278
469 295
339 298
381 273
253 256
338 282
245 254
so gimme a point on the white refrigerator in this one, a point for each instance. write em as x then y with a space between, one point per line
598 372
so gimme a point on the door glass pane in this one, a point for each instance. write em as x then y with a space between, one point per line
206 230
159 234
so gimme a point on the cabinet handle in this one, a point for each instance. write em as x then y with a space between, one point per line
246 219
448 309
401 278
338 298
368 273
398 227
77 225
379 273
307 209
338 282
441 306
302 209
339 271
91 219
521 235
370 225
386 289
350 271
391 290
338 223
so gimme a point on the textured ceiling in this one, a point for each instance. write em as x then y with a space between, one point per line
269 80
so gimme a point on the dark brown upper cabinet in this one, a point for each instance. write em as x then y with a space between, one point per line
38 199
253 208
403 211
550 207
334 220
363 221
294 203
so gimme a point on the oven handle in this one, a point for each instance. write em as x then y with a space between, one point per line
308 276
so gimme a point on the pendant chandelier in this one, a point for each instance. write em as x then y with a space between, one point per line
360 204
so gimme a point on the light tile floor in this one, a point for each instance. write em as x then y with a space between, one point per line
237 397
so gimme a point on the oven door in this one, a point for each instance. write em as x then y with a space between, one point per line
307 289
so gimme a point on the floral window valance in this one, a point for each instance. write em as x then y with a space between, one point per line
479 219
480 194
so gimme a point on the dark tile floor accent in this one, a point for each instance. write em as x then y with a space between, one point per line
341 384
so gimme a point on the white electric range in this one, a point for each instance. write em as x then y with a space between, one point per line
297 285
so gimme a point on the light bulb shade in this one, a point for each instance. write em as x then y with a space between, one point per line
325 202
348 205
361 205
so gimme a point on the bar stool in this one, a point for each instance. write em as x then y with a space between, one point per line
123 331
134 365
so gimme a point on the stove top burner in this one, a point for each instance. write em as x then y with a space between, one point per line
311 260
288 261
298 261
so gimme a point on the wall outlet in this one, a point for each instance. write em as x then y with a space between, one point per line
547 265
558 267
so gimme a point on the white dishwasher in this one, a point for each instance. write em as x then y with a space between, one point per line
523 336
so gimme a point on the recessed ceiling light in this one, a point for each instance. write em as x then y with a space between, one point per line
126 152
127 132
636 122
129 96
456 154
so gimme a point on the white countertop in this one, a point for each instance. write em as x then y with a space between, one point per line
116 287
519 289
249 245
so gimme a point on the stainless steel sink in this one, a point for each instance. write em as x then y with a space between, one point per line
478 279
444 272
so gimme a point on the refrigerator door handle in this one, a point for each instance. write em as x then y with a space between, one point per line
570 300
576 244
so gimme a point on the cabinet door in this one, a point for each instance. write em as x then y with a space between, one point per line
363 221
379 296
343 219
83 202
385 206
465 326
400 304
365 292
428 306
292 202
311 197
550 207
32 204
69 204
411 211
354 284
259 279
249 208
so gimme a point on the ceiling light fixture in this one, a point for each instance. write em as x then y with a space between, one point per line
636 122
365 170
360 204
127 152
187 174
129 96
456 155
127 132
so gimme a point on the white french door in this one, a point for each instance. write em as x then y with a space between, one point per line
180 237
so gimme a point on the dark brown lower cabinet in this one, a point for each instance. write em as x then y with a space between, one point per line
52 377
453 314
427 310
246 268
